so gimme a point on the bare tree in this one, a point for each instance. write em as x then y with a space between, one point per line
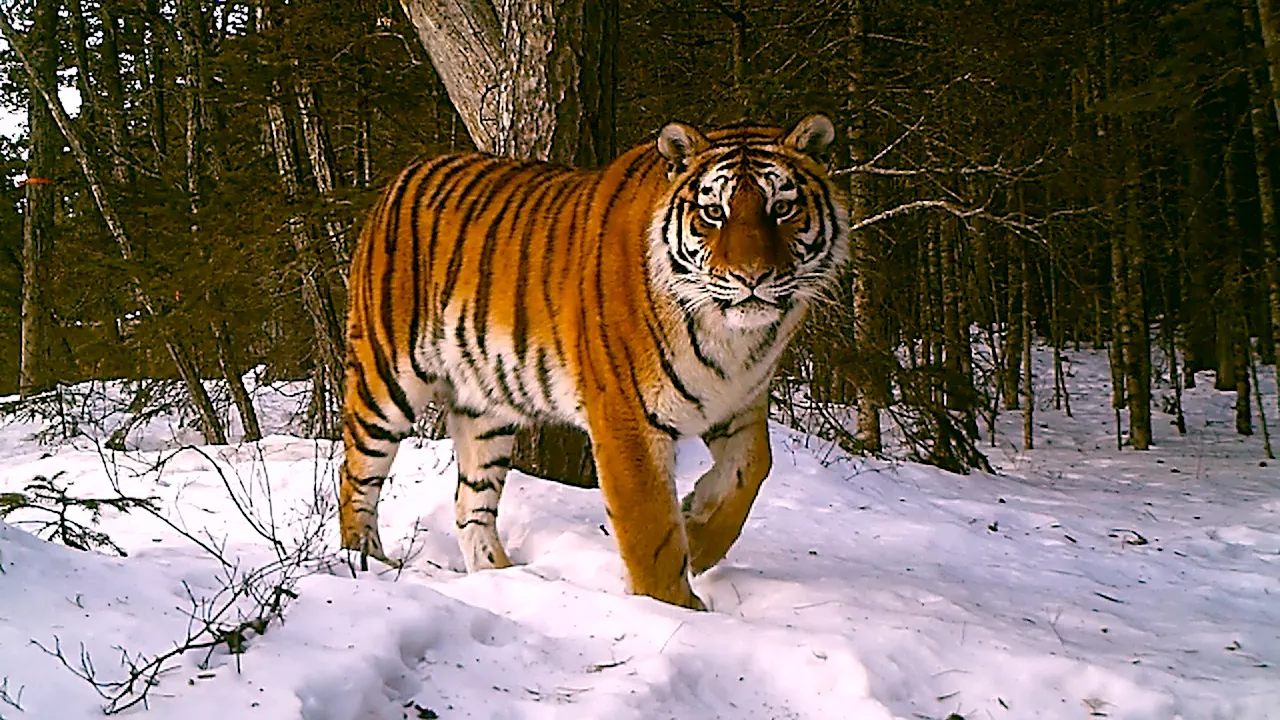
37 231
867 323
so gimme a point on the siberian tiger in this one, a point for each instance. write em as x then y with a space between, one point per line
643 302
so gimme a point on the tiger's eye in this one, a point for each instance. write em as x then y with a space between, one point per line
713 213
783 209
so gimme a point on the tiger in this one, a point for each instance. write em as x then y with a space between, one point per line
644 302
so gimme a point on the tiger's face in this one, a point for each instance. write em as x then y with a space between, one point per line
753 226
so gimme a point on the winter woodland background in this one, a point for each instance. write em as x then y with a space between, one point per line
1065 272
1084 174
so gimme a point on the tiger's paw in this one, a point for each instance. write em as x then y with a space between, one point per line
681 596
368 544
706 549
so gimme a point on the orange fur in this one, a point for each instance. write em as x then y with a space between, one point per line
518 292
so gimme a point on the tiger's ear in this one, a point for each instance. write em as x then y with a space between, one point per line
678 142
811 135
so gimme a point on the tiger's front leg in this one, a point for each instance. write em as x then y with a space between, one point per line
634 466
717 508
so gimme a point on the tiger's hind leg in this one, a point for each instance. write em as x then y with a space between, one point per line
717 508
371 435
482 444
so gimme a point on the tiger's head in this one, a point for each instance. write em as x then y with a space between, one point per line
752 226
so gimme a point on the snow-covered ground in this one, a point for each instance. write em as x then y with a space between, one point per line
1079 582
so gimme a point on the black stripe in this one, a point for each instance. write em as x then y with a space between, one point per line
544 377
382 365
691 325
765 345
365 449
390 238
368 481
498 432
460 338
503 463
436 202
393 386
366 393
440 300
466 412
520 322
500 376
656 422
721 431
666 540
627 175
508 171
584 190
520 198
430 179
377 432
667 368
650 416
473 521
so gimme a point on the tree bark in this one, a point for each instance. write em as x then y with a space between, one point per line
1137 352
1012 354
36 366
868 323
153 73
1028 385
191 23
1266 195
1271 43
316 138
113 93
531 79
1119 323
317 298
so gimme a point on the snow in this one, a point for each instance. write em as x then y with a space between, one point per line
1081 581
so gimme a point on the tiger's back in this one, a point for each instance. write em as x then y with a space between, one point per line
520 292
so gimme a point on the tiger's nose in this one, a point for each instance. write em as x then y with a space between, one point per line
750 277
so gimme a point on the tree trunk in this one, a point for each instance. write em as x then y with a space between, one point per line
1028 384
531 79
113 93
1266 198
317 297
1119 324
316 138
868 324
1012 352
36 371
232 371
154 74
1271 43
194 39
1137 352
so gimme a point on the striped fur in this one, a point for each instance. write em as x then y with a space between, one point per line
643 302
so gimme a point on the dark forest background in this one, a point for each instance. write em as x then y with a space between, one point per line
1082 174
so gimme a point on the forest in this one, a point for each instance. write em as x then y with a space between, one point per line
1090 174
